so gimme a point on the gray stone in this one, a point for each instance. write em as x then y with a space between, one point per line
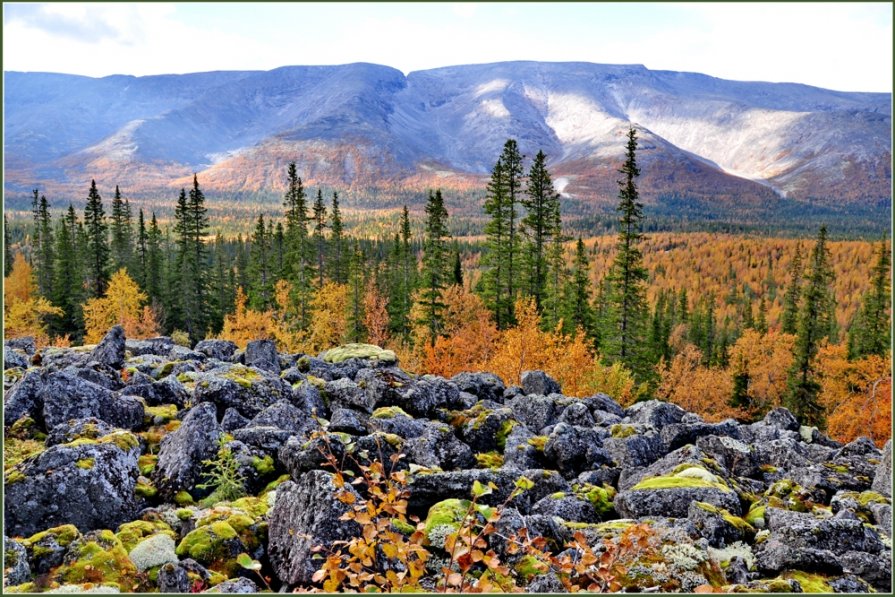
26 344
90 486
262 354
221 350
672 502
14 358
24 399
246 389
634 451
66 396
712 525
654 413
182 452
160 346
484 386
282 414
110 350
782 419
575 449
876 569
569 507
534 411
345 420
234 585
882 480
89 428
577 414
15 563
344 393
603 403
538 382
233 420
437 446
306 514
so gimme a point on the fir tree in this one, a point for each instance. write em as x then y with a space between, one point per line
625 339
7 248
337 244
44 262
513 177
435 274
319 239
121 232
141 253
579 311
298 255
261 280
803 387
789 318
278 266
68 291
154 280
97 242
403 278
223 293
870 333
191 284
761 324
495 258
356 268
539 226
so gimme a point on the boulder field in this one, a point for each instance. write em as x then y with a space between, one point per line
143 465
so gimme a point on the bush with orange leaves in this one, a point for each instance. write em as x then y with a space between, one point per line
702 390
123 304
766 359
857 394
469 339
25 313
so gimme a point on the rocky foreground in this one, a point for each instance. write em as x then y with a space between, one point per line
107 446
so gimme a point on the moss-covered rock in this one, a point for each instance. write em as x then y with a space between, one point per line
389 412
489 459
131 533
620 430
159 415
183 498
810 583
46 548
358 351
446 516
98 557
146 463
214 545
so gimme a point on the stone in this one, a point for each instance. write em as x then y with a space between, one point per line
16 569
671 495
24 399
437 446
110 350
262 354
65 396
153 551
14 358
882 479
654 413
345 420
782 419
234 585
306 514
182 452
369 352
345 393
575 449
568 507
538 382
222 350
160 346
232 420
534 411
247 389
89 428
484 386
282 414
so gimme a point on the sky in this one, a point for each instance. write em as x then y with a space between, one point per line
844 46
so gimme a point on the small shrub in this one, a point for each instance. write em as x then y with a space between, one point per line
223 476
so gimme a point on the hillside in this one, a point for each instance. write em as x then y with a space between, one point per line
365 126
133 429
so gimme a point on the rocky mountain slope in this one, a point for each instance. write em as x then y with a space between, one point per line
113 443
367 125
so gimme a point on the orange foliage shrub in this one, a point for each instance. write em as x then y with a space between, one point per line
24 312
245 325
124 305
767 359
705 391
857 394
470 336
375 315
329 317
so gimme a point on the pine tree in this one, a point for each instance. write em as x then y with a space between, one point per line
121 232
337 244
789 318
457 270
539 227
871 331
319 239
803 387
298 255
221 283
44 250
356 284
625 340
403 278
68 291
97 242
261 280
278 267
435 274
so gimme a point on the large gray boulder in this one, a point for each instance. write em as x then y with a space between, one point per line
655 413
671 495
90 485
262 354
575 449
247 389
24 399
110 350
66 396
306 514
538 382
179 466
437 446
882 480
484 386
221 350
534 411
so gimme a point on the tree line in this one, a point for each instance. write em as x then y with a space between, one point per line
299 277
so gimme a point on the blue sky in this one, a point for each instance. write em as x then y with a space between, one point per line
845 46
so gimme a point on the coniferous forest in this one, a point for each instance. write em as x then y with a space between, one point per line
725 326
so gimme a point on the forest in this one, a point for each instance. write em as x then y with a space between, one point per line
724 325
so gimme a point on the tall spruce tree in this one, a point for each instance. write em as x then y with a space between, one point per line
278 249
141 251
155 275
319 238
436 270
814 325
121 233
624 340
579 313
495 258
298 253
97 242
44 262
7 248
540 226
338 251
790 316
403 278
68 291
356 284
261 281
870 333
191 284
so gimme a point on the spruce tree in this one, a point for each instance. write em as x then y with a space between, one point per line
298 255
403 280
223 293
154 281
457 278
319 240
870 333
191 295
260 290
44 250
97 242
68 291
278 266
803 387
761 323
436 273
539 227
579 311
356 270
789 318
7 248
495 258
625 338
121 232
141 252
338 251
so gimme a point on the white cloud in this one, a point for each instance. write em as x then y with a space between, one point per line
464 9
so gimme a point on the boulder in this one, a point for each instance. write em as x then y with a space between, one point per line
306 514
89 484
535 411
393 419
110 350
222 350
654 413
718 526
568 507
262 354
282 414
424 397
175 577
26 344
671 495
368 352
782 419
66 396
575 449
603 403
635 450
577 414
182 452
345 393
159 346
538 382
14 358
882 480
16 569
484 386
232 420
24 399
234 585
247 389
89 428
345 420
437 446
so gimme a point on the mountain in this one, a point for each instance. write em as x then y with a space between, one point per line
365 125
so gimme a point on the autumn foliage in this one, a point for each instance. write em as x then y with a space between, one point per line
24 312
123 304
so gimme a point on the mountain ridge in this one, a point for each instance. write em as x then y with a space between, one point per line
363 124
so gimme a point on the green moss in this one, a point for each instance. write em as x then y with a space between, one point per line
538 442
389 412
132 533
62 536
275 483
183 513
25 428
755 516
183 498
691 476
358 351
103 559
620 430
768 468
558 495
528 567
125 440
405 528
256 507
839 468
489 459
264 466
811 583
146 463
86 463
14 476
145 490
505 429
600 497
451 513
210 545
16 451
871 497
160 414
